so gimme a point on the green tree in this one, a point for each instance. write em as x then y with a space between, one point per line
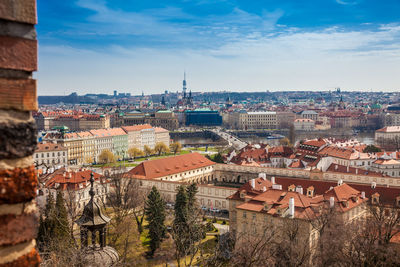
292 134
147 150
191 195
176 147
155 215
187 229
135 152
180 226
285 142
49 214
161 148
216 158
61 229
106 156
371 149
41 237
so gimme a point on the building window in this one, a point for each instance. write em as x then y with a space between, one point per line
244 214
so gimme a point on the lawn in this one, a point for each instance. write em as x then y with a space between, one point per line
218 221
138 160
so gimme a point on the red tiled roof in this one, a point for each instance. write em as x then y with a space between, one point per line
344 195
316 143
344 169
296 164
168 166
336 152
388 194
135 128
41 147
386 162
160 130
70 180
389 129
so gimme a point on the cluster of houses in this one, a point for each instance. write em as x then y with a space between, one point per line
77 148
322 154
263 200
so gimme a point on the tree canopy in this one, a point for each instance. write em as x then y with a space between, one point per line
155 215
135 152
161 148
107 156
176 147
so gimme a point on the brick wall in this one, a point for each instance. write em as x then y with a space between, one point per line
18 59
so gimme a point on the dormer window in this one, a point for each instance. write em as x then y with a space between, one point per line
292 188
398 201
310 191
243 194
375 198
346 203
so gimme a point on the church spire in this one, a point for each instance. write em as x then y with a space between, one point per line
184 84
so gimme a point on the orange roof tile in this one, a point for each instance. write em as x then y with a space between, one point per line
41 147
168 166
134 128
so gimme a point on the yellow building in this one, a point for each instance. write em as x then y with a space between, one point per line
74 145
95 121
89 152
161 136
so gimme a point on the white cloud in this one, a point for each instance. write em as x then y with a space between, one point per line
254 54
347 2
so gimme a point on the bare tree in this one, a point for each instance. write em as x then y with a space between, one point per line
71 200
385 220
254 248
330 232
293 247
120 204
57 254
189 243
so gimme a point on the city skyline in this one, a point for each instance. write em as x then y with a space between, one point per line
101 46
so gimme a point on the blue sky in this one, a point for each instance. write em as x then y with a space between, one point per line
93 46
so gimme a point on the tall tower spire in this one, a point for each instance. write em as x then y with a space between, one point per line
184 84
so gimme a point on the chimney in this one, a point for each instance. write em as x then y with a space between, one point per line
70 174
264 189
331 202
253 183
348 168
262 175
291 207
373 185
64 174
362 194
277 186
273 179
356 171
336 167
299 189
340 182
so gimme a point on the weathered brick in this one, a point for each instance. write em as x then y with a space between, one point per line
30 259
15 229
18 10
18 53
18 94
17 140
17 185
16 29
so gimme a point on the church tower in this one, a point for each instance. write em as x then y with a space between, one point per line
184 84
